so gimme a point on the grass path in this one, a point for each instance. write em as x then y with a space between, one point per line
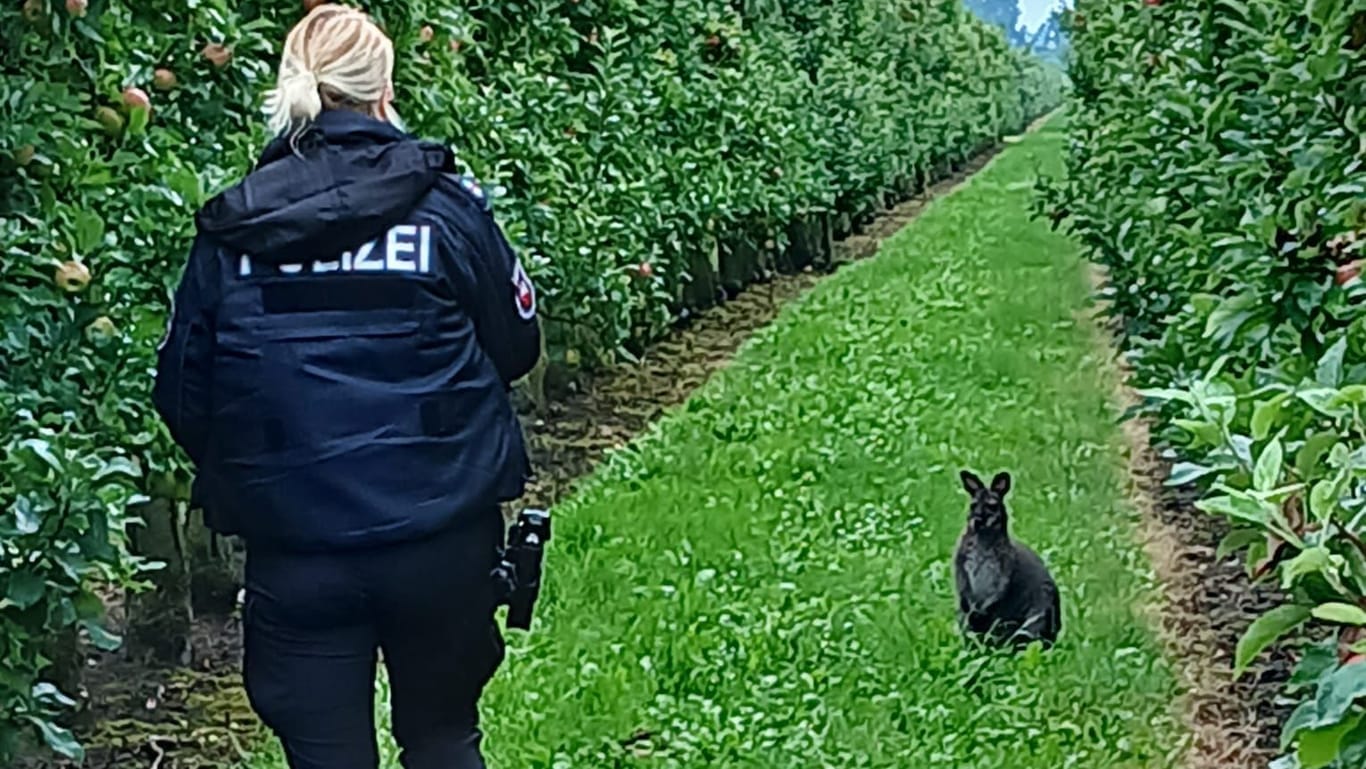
764 579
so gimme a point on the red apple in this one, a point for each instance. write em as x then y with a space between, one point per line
164 80
645 270
77 8
136 98
427 34
1347 273
218 54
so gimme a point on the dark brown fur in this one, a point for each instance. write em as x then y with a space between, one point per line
1005 593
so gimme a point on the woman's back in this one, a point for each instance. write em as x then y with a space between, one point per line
337 367
353 402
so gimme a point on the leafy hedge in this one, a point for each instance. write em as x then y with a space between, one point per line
634 141
1218 170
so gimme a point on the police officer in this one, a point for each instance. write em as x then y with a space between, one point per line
337 366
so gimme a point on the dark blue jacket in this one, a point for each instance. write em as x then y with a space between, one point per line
342 342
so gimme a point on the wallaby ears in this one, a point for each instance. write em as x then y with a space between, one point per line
971 482
1001 484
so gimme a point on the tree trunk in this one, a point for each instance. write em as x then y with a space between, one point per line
803 245
215 564
700 291
159 618
739 262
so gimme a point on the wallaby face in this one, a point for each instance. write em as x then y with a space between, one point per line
988 510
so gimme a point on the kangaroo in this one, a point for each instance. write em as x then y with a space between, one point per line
1005 592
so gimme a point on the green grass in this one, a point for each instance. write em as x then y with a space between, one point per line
764 579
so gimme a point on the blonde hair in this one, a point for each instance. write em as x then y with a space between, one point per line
335 58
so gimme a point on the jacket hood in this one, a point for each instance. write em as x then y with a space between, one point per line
341 183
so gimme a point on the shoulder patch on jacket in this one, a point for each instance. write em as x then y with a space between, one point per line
524 292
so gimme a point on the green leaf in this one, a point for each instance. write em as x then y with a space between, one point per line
1321 11
1230 316
102 638
26 519
1329 371
1207 432
1265 416
1323 400
1268 469
1350 395
1237 540
1323 500
137 121
1167 394
89 32
1341 613
89 231
1309 561
48 695
1318 659
1319 747
1187 472
1353 746
1337 694
117 466
1239 508
1299 720
88 606
25 588
187 185
61 740
1203 304
1264 631
43 450
1312 452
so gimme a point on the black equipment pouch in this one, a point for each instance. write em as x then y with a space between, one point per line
518 573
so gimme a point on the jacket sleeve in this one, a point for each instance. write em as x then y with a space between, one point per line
501 299
185 357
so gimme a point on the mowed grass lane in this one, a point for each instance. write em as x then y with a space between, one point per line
764 579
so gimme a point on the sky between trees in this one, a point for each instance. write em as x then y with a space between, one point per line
1034 12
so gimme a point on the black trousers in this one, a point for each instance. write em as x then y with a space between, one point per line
314 624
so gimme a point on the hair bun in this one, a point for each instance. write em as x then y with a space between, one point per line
295 98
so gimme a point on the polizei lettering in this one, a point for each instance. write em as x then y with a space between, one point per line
405 248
